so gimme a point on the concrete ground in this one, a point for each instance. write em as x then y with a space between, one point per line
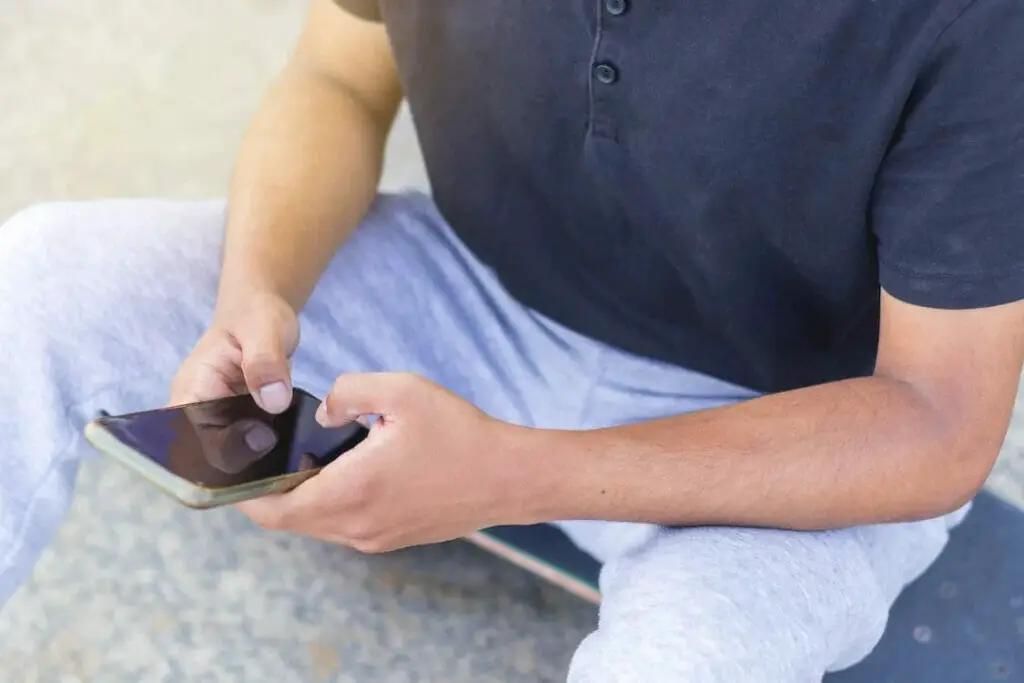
108 98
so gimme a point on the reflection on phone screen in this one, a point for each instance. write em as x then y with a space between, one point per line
233 441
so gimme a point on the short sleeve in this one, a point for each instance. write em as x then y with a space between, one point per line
948 204
364 9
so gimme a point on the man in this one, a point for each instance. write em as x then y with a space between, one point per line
744 278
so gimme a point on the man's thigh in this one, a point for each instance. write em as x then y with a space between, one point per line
757 605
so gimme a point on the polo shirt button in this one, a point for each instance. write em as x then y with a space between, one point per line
606 73
615 7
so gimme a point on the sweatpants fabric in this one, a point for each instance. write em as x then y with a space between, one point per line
100 302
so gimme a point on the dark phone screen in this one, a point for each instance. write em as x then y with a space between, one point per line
232 441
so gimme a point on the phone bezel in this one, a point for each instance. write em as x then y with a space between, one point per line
184 491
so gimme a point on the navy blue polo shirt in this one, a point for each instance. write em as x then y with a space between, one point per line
726 184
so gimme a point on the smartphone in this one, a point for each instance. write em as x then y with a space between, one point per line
224 451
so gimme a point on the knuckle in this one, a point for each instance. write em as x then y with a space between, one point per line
272 518
335 396
262 363
370 546
406 386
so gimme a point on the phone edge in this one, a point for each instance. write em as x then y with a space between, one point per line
182 490
185 492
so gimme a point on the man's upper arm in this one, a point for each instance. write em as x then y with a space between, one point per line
947 214
966 364
341 45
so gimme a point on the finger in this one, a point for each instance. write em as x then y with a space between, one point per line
266 370
272 511
368 393
212 413
314 506
202 386
299 509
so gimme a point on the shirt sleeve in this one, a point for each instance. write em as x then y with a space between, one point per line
364 9
948 203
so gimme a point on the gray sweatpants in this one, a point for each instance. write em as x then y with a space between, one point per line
100 302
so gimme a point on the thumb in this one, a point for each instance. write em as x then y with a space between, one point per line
266 371
369 393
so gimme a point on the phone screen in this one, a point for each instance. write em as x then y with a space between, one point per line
232 441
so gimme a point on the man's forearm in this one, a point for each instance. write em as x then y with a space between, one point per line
852 452
307 172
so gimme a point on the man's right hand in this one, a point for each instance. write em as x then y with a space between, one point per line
246 349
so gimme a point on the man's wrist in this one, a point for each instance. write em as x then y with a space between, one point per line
243 288
541 464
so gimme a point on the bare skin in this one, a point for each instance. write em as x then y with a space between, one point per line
306 175
915 440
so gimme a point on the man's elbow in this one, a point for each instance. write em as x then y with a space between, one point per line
961 468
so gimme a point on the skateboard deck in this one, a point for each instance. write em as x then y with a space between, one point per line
545 551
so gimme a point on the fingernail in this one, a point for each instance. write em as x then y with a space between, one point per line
321 413
275 397
260 438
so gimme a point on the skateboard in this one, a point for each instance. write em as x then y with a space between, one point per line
543 550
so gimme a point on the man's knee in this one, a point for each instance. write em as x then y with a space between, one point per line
73 273
697 651
130 234
725 605
31 232
36 217
110 250
33 252
48 242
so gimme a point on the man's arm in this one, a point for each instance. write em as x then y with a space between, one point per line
311 160
915 440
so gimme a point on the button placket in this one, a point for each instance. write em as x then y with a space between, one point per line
604 72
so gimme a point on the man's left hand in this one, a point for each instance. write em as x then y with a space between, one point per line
433 468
